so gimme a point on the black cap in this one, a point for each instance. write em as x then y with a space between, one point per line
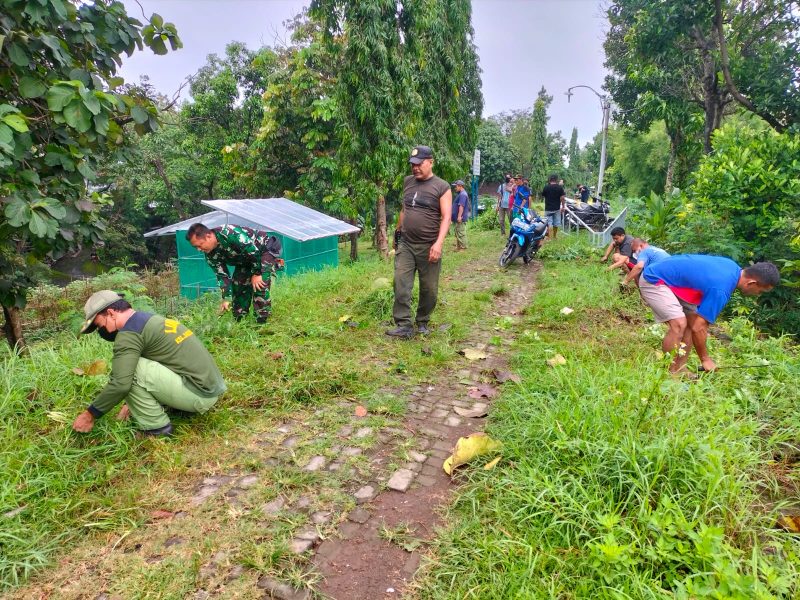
420 153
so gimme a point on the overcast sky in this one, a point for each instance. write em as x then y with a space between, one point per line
522 45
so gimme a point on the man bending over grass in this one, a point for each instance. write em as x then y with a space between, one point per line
157 362
688 291
254 258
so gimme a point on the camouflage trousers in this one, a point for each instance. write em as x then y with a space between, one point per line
244 295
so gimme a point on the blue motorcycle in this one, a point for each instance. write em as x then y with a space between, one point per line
527 232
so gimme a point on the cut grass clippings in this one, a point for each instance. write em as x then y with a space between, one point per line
618 481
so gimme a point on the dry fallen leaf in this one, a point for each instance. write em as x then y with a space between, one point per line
503 376
482 390
470 413
276 355
790 523
567 311
473 354
97 367
468 448
491 464
556 360
161 514
361 411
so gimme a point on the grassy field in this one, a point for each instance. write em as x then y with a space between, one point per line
63 493
619 481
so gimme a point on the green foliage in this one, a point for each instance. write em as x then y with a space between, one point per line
640 160
62 111
497 154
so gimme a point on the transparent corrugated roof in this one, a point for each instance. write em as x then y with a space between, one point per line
283 216
279 215
215 218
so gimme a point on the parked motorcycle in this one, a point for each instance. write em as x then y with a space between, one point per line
594 215
528 231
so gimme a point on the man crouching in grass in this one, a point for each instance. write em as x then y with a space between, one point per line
157 362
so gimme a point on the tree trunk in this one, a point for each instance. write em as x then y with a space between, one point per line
353 241
673 152
713 101
380 228
162 173
13 329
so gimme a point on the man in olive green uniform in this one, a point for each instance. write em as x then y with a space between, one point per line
157 362
423 225
254 258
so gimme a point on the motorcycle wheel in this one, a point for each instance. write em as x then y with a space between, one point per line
510 252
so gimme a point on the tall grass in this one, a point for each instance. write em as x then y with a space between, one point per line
619 481
59 488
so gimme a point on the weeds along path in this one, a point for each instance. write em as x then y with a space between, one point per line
286 490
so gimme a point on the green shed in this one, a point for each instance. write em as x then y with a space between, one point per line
309 237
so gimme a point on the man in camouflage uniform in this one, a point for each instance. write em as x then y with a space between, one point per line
253 256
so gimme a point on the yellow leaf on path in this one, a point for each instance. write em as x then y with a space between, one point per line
556 360
344 318
491 464
468 448
473 354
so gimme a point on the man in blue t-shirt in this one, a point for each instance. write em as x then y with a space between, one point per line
522 197
688 291
645 255
460 215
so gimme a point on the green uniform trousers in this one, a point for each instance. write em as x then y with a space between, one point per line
409 260
461 235
154 387
244 294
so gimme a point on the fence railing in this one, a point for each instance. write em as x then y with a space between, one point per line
596 238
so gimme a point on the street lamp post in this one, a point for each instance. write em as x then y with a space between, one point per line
605 105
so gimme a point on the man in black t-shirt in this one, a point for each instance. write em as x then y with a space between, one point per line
423 224
555 199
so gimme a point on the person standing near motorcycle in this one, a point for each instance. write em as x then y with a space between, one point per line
460 215
503 194
522 197
253 256
555 199
423 223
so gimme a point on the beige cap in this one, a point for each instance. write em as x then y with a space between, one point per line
97 302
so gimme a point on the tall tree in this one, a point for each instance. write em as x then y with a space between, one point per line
374 96
63 109
440 48
541 157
